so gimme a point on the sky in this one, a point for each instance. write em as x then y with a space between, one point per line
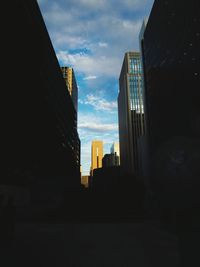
92 36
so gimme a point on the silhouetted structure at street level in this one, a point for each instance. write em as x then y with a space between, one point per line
40 133
115 195
106 179
172 80
110 160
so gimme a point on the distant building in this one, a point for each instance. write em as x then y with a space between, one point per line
85 180
96 155
115 149
131 112
70 80
110 160
172 80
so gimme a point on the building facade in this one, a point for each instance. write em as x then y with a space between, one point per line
130 112
172 79
70 81
96 155
144 163
71 84
40 133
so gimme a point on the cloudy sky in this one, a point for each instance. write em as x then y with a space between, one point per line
92 36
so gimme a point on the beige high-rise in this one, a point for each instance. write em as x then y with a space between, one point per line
96 155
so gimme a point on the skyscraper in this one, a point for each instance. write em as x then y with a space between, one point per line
130 111
172 79
96 155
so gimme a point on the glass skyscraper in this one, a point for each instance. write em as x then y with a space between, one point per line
131 111
135 82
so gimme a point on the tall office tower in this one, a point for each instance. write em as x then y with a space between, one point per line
39 128
70 80
96 155
172 80
130 112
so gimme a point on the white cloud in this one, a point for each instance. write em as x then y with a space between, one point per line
90 77
97 127
98 26
70 40
103 44
94 125
99 103
85 22
91 65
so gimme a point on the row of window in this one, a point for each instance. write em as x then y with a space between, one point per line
135 65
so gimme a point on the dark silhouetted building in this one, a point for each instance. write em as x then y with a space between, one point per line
143 142
171 59
70 81
106 179
110 160
39 130
131 112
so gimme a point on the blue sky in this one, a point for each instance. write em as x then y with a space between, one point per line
92 36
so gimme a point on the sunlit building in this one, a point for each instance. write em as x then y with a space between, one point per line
85 181
70 80
130 112
96 155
